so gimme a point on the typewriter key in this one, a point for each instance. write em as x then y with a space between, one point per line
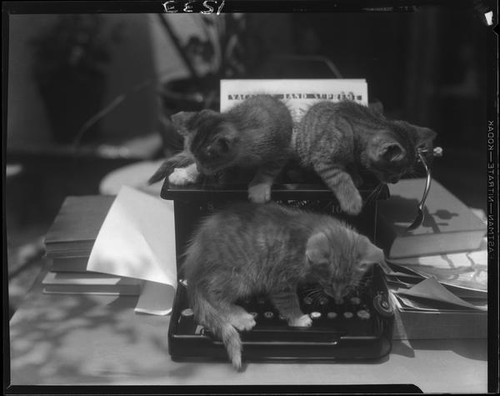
331 315
315 315
348 315
268 315
187 312
323 300
200 330
355 300
363 314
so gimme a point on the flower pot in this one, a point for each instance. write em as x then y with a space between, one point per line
185 94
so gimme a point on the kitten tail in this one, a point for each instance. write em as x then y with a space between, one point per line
232 341
220 326
180 160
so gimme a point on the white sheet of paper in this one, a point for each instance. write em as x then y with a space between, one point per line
297 94
137 239
431 289
155 299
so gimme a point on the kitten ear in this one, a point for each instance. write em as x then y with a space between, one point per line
370 255
377 107
318 249
181 119
392 152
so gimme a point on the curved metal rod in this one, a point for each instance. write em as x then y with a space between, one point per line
420 215
427 181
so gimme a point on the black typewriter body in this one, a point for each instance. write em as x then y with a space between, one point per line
193 202
359 328
347 332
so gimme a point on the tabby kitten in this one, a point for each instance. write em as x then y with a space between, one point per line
254 134
249 249
339 140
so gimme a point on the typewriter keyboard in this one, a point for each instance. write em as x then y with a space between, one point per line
359 327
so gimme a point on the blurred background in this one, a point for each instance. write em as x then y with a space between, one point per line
90 94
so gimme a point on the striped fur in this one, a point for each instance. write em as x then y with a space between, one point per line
249 249
255 134
179 160
342 140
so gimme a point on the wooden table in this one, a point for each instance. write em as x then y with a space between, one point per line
100 340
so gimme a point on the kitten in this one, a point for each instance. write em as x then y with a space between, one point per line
248 249
254 134
340 140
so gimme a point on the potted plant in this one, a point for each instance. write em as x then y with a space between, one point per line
216 53
69 67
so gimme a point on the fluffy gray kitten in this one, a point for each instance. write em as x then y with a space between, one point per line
251 249
254 134
342 140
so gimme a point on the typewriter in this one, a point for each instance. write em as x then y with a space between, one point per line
306 191
358 328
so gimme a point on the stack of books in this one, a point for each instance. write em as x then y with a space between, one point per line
430 306
440 275
68 245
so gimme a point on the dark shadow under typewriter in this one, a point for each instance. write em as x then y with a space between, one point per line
358 328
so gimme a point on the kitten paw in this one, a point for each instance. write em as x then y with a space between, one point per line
236 362
242 321
301 321
259 193
181 177
353 205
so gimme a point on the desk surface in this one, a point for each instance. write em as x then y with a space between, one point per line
100 340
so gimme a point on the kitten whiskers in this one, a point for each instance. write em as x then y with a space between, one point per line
374 194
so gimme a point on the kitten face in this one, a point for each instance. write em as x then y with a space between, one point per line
214 149
339 262
393 152
210 139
